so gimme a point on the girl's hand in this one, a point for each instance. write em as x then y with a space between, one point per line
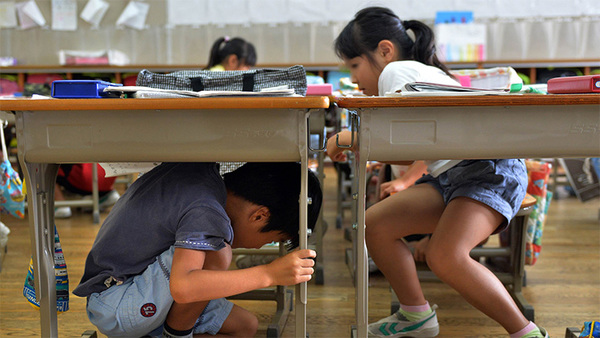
343 138
335 153
420 248
389 188
416 170
293 268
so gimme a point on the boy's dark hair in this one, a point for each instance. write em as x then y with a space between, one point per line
239 47
362 35
276 186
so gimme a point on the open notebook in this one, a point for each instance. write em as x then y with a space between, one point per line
434 89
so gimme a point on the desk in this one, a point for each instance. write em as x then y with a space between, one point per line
142 130
463 127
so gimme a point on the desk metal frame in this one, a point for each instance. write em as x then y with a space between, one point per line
51 132
463 127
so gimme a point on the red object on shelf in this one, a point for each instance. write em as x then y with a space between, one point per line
79 60
574 84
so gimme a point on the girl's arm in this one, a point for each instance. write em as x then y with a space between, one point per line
190 282
344 137
416 170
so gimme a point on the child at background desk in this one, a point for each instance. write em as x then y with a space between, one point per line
159 264
460 203
231 54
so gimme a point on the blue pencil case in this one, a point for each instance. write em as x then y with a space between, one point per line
82 89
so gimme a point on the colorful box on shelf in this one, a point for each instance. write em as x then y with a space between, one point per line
82 89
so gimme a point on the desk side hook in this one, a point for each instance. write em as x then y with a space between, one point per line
353 128
324 138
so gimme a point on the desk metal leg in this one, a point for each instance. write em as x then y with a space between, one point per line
361 273
320 227
95 194
302 288
316 129
41 225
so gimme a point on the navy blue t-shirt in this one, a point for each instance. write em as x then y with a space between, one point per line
175 204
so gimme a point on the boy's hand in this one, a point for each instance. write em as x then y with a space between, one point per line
293 268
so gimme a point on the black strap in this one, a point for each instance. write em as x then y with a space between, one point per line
197 84
248 82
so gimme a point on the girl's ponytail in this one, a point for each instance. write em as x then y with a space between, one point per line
362 35
225 46
424 50
213 58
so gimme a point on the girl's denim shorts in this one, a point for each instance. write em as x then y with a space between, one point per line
140 305
499 184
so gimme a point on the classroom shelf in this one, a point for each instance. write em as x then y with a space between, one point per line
530 68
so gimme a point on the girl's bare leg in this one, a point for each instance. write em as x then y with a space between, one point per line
464 224
412 211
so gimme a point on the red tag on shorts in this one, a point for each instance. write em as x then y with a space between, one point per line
148 310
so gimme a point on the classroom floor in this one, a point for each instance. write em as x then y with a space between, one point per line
563 286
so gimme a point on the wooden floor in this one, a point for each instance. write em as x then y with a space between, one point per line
563 286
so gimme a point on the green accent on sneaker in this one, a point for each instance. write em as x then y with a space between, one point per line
391 330
535 333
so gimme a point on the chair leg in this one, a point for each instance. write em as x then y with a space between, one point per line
517 262
89 334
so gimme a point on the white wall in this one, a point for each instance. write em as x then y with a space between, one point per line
302 31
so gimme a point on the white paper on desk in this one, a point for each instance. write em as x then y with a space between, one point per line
404 94
41 97
29 14
157 95
134 15
8 14
64 15
124 168
168 93
434 89
94 11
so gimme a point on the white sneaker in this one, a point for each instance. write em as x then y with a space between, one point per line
109 199
397 325
63 212
4 231
372 266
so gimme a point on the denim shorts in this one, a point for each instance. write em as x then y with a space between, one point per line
140 305
499 184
